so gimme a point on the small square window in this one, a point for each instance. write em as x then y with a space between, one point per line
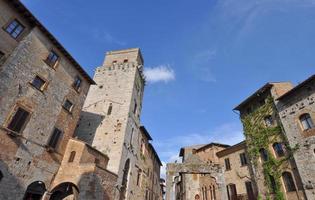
15 28
39 83
68 105
52 59
77 83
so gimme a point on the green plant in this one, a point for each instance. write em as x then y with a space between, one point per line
259 136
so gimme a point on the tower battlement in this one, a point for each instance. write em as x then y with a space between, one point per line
132 55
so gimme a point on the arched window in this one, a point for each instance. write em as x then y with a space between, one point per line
72 156
110 108
288 181
278 148
263 154
268 120
306 121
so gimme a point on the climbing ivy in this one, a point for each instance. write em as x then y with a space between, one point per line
259 136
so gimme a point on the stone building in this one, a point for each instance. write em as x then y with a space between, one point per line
198 176
110 122
237 172
275 161
296 109
274 169
42 91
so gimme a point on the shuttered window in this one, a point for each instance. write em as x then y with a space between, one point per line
227 164
19 120
54 139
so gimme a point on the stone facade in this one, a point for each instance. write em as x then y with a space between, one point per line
42 91
238 173
254 102
291 106
110 122
199 176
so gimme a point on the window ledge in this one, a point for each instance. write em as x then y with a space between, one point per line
50 65
78 90
10 132
309 132
41 91
68 111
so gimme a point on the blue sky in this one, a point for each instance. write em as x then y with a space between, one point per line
202 57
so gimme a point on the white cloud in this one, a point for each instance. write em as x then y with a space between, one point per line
160 73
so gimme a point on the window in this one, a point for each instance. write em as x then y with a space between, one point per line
15 28
142 147
52 59
278 148
231 191
1 175
72 156
110 108
306 121
1 55
54 139
227 164
263 154
243 159
77 83
68 105
115 61
268 120
39 83
19 120
249 190
273 184
135 108
126 60
288 181
131 136
138 177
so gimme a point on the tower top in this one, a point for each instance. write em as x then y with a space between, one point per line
123 56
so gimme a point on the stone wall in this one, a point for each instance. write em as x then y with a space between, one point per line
290 109
24 157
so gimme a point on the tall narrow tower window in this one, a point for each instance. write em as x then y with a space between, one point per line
110 108
135 108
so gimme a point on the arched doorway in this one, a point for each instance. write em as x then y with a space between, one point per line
64 190
35 191
124 183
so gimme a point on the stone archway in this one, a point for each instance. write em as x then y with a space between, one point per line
35 191
65 190
175 171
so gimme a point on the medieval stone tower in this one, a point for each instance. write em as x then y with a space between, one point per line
110 117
